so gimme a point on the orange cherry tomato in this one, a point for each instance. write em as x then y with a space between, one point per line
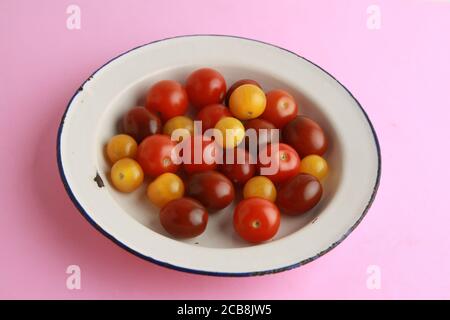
260 187
247 102
126 175
165 188
121 146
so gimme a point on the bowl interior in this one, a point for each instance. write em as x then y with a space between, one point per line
219 232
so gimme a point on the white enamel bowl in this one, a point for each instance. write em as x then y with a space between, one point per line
93 113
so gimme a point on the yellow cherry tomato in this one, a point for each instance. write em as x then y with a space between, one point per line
260 187
232 131
121 146
179 122
165 188
247 102
315 166
126 175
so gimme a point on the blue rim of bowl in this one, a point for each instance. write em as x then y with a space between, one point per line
202 272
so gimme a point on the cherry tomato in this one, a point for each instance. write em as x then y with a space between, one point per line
232 132
285 163
205 159
165 188
126 175
241 167
211 188
121 146
179 122
280 109
154 155
140 123
184 218
205 86
247 102
256 220
314 165
168 98
305 136
238 84
260 187
264 131
299 194
211 114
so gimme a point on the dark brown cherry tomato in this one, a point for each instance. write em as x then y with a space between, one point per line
205 86
305 136
168 98
241 169
184 218
238 84
154 155
280 108
286 162
211 114
299 194
140 123
256 219
264 136
211 188
206 152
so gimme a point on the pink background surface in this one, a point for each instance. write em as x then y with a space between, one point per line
399 73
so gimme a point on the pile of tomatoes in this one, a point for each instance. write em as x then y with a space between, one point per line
187 193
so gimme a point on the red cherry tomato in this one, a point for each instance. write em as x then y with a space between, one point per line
206 152
285 163
168 98
280 108
305 136
299 194
184 218
211 188
205 86
140 123
211 114
238 84
256 219
154 155
241 169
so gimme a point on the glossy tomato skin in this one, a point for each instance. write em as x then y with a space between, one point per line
184 218
154 155
256 219
264 130
239 172
206 155
165 188
314 165
168 98
305 136
280 108
185 124
287 162
211 114
299 194
121 146
205 86
238 84
247 102
214 190
260 187
126 175
230 125
140 123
